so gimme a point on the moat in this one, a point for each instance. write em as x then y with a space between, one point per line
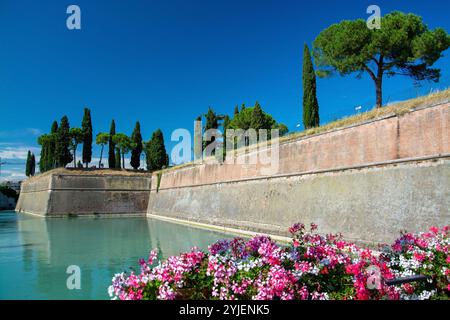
35 252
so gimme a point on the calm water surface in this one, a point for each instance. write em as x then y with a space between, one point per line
35 252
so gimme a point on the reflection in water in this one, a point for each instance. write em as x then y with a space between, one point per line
35 252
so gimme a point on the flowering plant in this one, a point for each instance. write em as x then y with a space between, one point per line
312 267
427 254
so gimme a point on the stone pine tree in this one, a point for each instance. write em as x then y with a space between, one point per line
310 103
136 152
124 145
33 165
86 126
112 147
402 46
101 139
28 164
155 152
62 149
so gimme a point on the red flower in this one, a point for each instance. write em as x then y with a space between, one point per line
409 289
419 257
435 230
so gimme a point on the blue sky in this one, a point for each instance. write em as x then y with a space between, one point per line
165 62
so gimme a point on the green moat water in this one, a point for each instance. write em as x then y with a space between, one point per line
35 252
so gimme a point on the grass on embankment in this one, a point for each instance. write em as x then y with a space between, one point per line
91 171
393 109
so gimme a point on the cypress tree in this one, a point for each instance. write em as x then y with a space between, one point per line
28 164
212 122
112 146
310 104
43 142
51 148
62 150
236 110
86 126
117 160
258 120
155 151
33 165
136 152
226 123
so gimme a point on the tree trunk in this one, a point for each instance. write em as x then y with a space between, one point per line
379 91
379 82
123 160
101 156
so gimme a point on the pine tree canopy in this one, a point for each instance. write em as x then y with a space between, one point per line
402 46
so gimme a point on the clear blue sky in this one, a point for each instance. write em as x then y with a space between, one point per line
164 62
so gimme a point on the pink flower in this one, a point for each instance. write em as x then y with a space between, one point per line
419 257
435 230
296 243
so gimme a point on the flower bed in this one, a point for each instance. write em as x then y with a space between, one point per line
313 267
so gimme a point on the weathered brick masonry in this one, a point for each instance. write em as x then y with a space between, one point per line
369 181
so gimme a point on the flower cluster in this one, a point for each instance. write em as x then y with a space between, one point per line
312 267
426 254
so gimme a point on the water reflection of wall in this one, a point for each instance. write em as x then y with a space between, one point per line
101 247
171 239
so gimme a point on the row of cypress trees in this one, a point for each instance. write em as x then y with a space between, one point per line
120 144
58 148
57 145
